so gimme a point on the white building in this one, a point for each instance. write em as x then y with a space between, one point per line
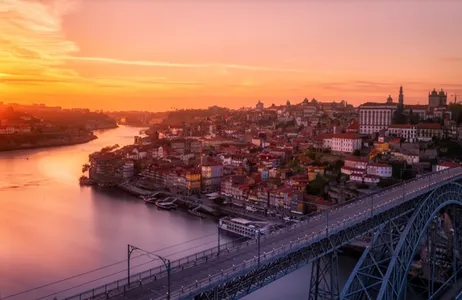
405 131
374 117
380 170
343 142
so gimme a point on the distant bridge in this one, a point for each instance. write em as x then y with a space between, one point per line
398 217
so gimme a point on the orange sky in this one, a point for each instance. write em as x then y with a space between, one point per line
159 54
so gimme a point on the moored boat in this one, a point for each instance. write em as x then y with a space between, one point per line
84 180
166 205
196 213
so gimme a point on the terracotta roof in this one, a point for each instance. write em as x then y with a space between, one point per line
429 125
404 126
357 159
449 164
377 104
348 135
354 125
416 106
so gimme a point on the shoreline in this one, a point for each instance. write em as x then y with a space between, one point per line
50 145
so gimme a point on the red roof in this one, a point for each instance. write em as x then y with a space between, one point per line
354 125
449 164
348 135
429 125
357 159
404 126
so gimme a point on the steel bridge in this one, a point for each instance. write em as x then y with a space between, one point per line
398 219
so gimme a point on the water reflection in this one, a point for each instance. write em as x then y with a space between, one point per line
51 228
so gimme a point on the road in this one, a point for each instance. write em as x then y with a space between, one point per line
319 226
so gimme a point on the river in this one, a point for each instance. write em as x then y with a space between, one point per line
52 229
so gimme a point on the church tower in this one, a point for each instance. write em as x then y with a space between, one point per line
401 97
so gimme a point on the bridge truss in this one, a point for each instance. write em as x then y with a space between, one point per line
382 271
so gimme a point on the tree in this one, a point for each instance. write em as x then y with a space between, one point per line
399 118
317 186
310 154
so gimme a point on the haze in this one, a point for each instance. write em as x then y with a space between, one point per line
158 55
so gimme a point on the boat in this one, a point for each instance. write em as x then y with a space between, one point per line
84 180
196 213
106 185
149 199
165 205
243 227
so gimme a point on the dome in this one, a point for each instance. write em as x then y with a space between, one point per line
434 93
389 99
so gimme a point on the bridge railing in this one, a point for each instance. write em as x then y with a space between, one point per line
121 285
246 266
116 287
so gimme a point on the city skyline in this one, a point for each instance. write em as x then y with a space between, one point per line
147 55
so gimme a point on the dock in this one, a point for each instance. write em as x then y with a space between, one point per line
133 190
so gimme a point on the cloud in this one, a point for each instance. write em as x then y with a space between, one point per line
144 63
32 38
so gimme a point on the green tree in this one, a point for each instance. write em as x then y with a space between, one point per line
317 186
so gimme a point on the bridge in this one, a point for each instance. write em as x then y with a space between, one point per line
397 218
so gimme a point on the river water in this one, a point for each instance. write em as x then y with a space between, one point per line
52 229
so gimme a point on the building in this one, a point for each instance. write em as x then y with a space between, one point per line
346 142
211 175
380 170
446 165
260 105
405 131
374 117
417 109
428 131
436 99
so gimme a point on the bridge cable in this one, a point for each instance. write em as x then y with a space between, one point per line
105 267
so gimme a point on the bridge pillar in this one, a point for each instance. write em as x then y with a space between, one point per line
324 278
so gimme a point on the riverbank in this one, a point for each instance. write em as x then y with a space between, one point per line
46 142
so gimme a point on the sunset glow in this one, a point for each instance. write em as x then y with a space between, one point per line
158 55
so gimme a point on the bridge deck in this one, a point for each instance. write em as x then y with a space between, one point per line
336 219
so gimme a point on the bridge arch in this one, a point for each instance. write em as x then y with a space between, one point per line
392 277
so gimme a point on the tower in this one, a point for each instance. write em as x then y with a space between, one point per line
401 97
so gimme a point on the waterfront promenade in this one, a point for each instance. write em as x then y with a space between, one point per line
210 269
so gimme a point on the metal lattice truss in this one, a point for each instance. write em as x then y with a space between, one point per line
324 278
382 271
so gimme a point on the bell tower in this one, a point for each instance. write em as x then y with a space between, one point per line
401 97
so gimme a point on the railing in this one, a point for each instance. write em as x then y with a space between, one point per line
120 286
295 245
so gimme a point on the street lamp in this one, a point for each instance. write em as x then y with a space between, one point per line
164 260
258 246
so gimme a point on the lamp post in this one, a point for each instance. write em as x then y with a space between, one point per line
164 260
258 247
219 231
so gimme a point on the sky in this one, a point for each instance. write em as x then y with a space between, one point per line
159 55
